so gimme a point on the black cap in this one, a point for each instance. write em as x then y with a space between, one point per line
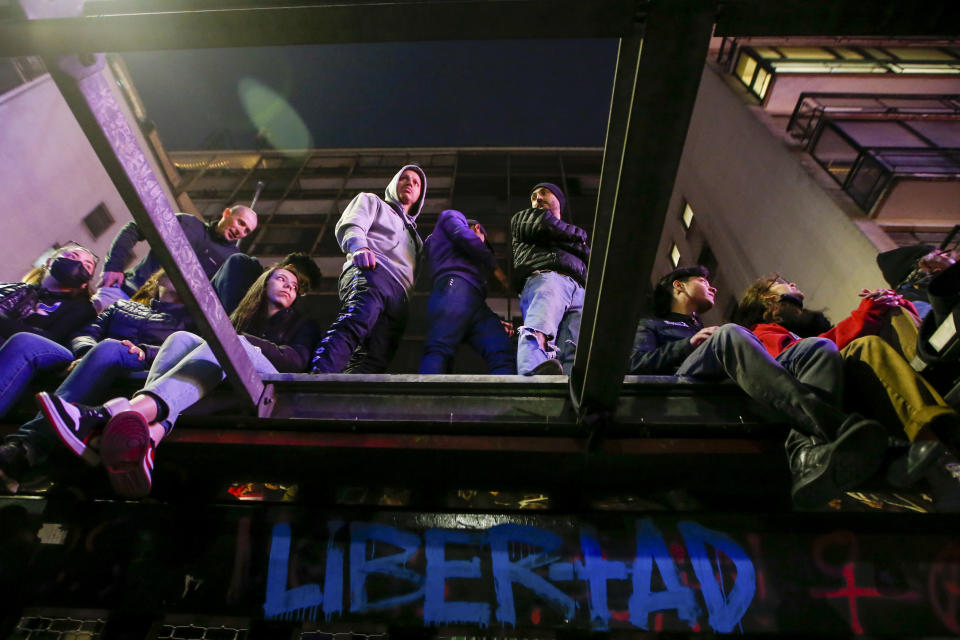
899 263
555 190
663 292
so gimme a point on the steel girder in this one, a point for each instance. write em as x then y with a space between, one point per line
654 90
272 22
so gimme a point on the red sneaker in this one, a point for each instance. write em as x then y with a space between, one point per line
127 452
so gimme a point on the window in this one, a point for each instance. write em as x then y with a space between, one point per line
98 221
707 259
686 218
675 255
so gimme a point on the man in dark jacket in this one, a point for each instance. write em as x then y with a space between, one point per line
550 269
213 243
459 258
828 450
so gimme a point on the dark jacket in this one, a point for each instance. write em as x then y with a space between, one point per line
31 308
146 327
211 249
662 344
542 242
286 339
454 249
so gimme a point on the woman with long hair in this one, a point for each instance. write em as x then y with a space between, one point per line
124 338
38 315
276 337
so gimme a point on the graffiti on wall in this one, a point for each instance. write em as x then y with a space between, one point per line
457 576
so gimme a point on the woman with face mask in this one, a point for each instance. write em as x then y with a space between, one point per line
125 337
272 331
38 315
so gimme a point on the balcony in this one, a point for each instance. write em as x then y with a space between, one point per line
897 156
777 75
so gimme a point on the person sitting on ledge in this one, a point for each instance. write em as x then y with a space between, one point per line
213 242
878 381
38 316
909 270
124 338
275 336
802 385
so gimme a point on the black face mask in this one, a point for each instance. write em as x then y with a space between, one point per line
69 273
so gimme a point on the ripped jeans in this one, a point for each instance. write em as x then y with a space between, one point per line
552 304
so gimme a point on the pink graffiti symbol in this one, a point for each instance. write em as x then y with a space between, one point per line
944 586
850 591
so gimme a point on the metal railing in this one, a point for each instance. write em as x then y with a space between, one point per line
864 172
814 107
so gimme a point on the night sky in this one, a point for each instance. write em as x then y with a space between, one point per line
490 93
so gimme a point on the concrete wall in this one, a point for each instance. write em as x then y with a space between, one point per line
761 211
50 178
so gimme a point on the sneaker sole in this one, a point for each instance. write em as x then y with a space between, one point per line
856 456
125 451
52 413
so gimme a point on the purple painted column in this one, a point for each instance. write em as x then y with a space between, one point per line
94 104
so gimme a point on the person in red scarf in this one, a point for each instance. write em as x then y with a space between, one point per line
879 382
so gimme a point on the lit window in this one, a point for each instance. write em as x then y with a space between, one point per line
675 255
919 53
807 53
745 68
687 216
848 54
767 52
761 83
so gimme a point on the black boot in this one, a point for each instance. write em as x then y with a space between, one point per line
14 463
822 469
909 468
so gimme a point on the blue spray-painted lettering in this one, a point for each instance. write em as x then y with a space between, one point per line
723 611
281 602
390 565
436 610
652 550
333 576
506 572
540 550
596 572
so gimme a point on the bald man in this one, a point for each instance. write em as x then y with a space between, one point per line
213 243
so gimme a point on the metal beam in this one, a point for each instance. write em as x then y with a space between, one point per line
276 22
645 141
838 18
88 94
265 224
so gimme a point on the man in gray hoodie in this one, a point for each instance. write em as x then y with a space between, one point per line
380 239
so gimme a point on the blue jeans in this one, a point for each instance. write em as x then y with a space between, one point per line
552 304
366 333
186 370
803 384
90 382
23 356
457 312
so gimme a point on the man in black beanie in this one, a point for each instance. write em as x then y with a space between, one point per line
550 270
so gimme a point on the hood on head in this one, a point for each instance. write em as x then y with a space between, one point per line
390 193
